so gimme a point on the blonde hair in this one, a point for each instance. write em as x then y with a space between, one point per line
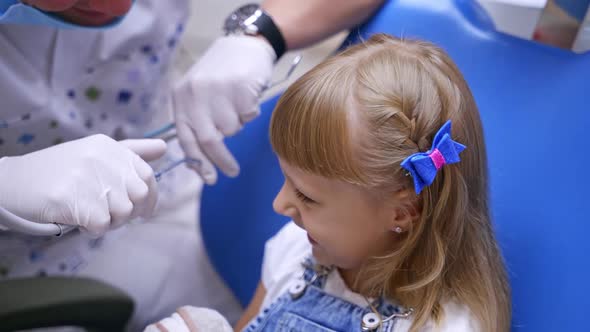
356 117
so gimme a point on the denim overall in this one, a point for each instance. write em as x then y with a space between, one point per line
307 308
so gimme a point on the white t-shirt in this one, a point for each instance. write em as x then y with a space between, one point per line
281 266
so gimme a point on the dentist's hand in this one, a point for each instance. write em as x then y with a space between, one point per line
95 183
219 94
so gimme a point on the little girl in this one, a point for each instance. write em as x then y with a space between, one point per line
386 182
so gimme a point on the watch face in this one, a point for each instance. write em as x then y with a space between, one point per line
234 22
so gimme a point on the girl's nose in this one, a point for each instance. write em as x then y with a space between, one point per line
282 204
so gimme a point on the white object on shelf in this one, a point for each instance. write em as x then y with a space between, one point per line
515 17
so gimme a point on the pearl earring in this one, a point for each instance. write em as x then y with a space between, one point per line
398 230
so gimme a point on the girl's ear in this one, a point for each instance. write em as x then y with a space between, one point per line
405 211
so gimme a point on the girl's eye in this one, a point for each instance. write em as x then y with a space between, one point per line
303 198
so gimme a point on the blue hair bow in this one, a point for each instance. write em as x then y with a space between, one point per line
423 166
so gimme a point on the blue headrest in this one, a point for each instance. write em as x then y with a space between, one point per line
236 214
533 101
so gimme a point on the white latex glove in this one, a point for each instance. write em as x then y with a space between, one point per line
192 319
218 95
95 182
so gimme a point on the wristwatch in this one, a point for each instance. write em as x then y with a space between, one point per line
252 20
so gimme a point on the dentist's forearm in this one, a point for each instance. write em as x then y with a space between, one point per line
304 22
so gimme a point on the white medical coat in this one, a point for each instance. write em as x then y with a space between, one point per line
59 85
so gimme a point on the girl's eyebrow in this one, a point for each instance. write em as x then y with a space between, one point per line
297 185
291 179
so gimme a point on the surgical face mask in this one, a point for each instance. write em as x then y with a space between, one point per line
14 12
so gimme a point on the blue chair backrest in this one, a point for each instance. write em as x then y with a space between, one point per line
533 101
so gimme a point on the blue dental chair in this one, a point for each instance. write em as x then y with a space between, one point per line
533 101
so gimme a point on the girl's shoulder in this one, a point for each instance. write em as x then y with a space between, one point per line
283 255
457 318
